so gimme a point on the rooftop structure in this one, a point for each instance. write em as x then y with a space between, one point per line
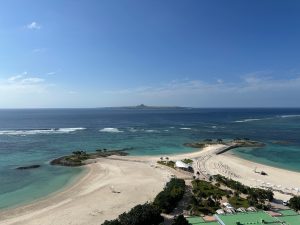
258 218
182 165
287 217
290 219
196 220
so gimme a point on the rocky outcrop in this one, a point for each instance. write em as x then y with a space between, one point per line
28 167
78 158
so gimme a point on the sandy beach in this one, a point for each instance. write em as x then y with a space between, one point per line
243 170
109 188
116 184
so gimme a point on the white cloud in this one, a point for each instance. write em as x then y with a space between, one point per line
22 83
250 91
33 26
39 50
23 79
15 78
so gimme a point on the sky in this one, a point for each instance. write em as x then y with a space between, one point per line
97 53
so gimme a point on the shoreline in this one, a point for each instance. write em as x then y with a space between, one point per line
107 189
69 184
58 194
110 186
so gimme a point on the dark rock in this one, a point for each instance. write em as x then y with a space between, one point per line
28 167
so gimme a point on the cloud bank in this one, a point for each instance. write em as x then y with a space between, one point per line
251 91
24 90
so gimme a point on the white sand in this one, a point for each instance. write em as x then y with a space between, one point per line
243 170
92 200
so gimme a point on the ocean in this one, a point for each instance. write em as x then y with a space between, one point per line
35 136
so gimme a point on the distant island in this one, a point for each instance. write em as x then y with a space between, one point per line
146 107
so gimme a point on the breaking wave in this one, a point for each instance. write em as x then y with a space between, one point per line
267 118
111 130
152 131
41 131
248 120
289 116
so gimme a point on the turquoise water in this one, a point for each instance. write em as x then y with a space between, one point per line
37 136
38 188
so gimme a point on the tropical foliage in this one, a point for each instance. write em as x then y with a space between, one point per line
180 220
146 214
167 199
294 203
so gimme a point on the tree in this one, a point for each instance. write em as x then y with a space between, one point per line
295 203
146 214
112 222
167 199
180 220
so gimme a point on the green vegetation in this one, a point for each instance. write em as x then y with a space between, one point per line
235 143
294 203
180 220
146 214
78 157
149 214
206 197
255 196
167 163
187 161
167 199
237 202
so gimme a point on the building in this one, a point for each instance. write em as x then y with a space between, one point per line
183 166
283 217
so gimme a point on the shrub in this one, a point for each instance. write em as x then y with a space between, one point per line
167 199
112 222
295 203
180 220
146 214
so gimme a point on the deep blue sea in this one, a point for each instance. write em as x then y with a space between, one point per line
35 136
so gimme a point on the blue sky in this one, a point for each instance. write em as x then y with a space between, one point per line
91 53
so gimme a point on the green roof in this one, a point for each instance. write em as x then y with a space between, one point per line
287 212
196 220
256 218
290 220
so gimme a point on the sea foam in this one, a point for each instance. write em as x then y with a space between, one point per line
110 130
185 128
289 116
41 131
247 120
